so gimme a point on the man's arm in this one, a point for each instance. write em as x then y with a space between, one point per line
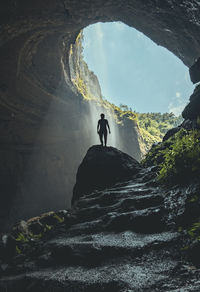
98 125
108 127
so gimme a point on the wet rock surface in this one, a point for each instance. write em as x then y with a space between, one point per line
122 238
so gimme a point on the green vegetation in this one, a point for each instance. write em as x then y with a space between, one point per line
38 235
153 126
18 250
58 218
28 234
194 198
21 237
194 230
178 158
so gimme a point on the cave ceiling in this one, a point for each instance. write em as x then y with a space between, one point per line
35 36
172 24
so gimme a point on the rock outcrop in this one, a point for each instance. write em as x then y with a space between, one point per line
192 110
102 167
195 71
122 238
186 124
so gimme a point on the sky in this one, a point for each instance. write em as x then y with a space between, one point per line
134 71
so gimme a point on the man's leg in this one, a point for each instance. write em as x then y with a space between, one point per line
105 138
101 138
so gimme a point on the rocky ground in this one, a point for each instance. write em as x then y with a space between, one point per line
122 238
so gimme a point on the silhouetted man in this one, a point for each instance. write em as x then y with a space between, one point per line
102 129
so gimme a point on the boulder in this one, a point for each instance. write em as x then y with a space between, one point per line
102 167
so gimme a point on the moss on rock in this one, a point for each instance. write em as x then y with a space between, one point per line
178 158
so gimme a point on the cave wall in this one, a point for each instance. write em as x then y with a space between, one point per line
38 103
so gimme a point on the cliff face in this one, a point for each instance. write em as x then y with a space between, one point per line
79 71
42 115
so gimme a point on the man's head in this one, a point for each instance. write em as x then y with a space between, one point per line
102 116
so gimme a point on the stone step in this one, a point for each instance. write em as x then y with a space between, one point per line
112 195
97 248
108 204
123 276
147 264
147 220
143 221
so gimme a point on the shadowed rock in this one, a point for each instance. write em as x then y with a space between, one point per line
191 111
195 71
103 167
171 133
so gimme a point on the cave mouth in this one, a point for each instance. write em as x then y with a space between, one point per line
134 71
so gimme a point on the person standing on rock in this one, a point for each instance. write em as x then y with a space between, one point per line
102 129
